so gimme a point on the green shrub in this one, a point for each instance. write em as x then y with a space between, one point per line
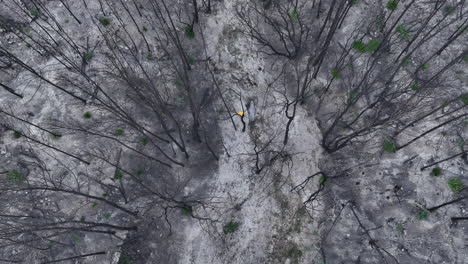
17 134
87 115
119 132
392 5
149 57
449 10
56 136
415 86
231 227
294 253
373 45
104 21
294 15
400 228
423 215
139 172
425 66
93 205
354 2
464 99
107 216
323 180
82 219
191 60
124 259
456 185
359 46
35 12
404 32
88 56
336 74
353 95
187 211
389 147
15 177
118 176
189 32
436 171
145 29
144 141
407 62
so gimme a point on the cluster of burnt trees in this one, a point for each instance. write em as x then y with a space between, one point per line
153 101
384 81
141 76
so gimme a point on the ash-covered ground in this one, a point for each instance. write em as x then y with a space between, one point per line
233 131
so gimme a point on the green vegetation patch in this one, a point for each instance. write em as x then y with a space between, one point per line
403 31
119 132
415 86
88 56
336 74
423 215
35 12
15 177
187 211
107 216
323 180
17 134
144 141
189 32
104 21
87 115
295 253
436 171
359 46
118 176
456 185
372 46
389 147
294 15
392 5
231 227
464 99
